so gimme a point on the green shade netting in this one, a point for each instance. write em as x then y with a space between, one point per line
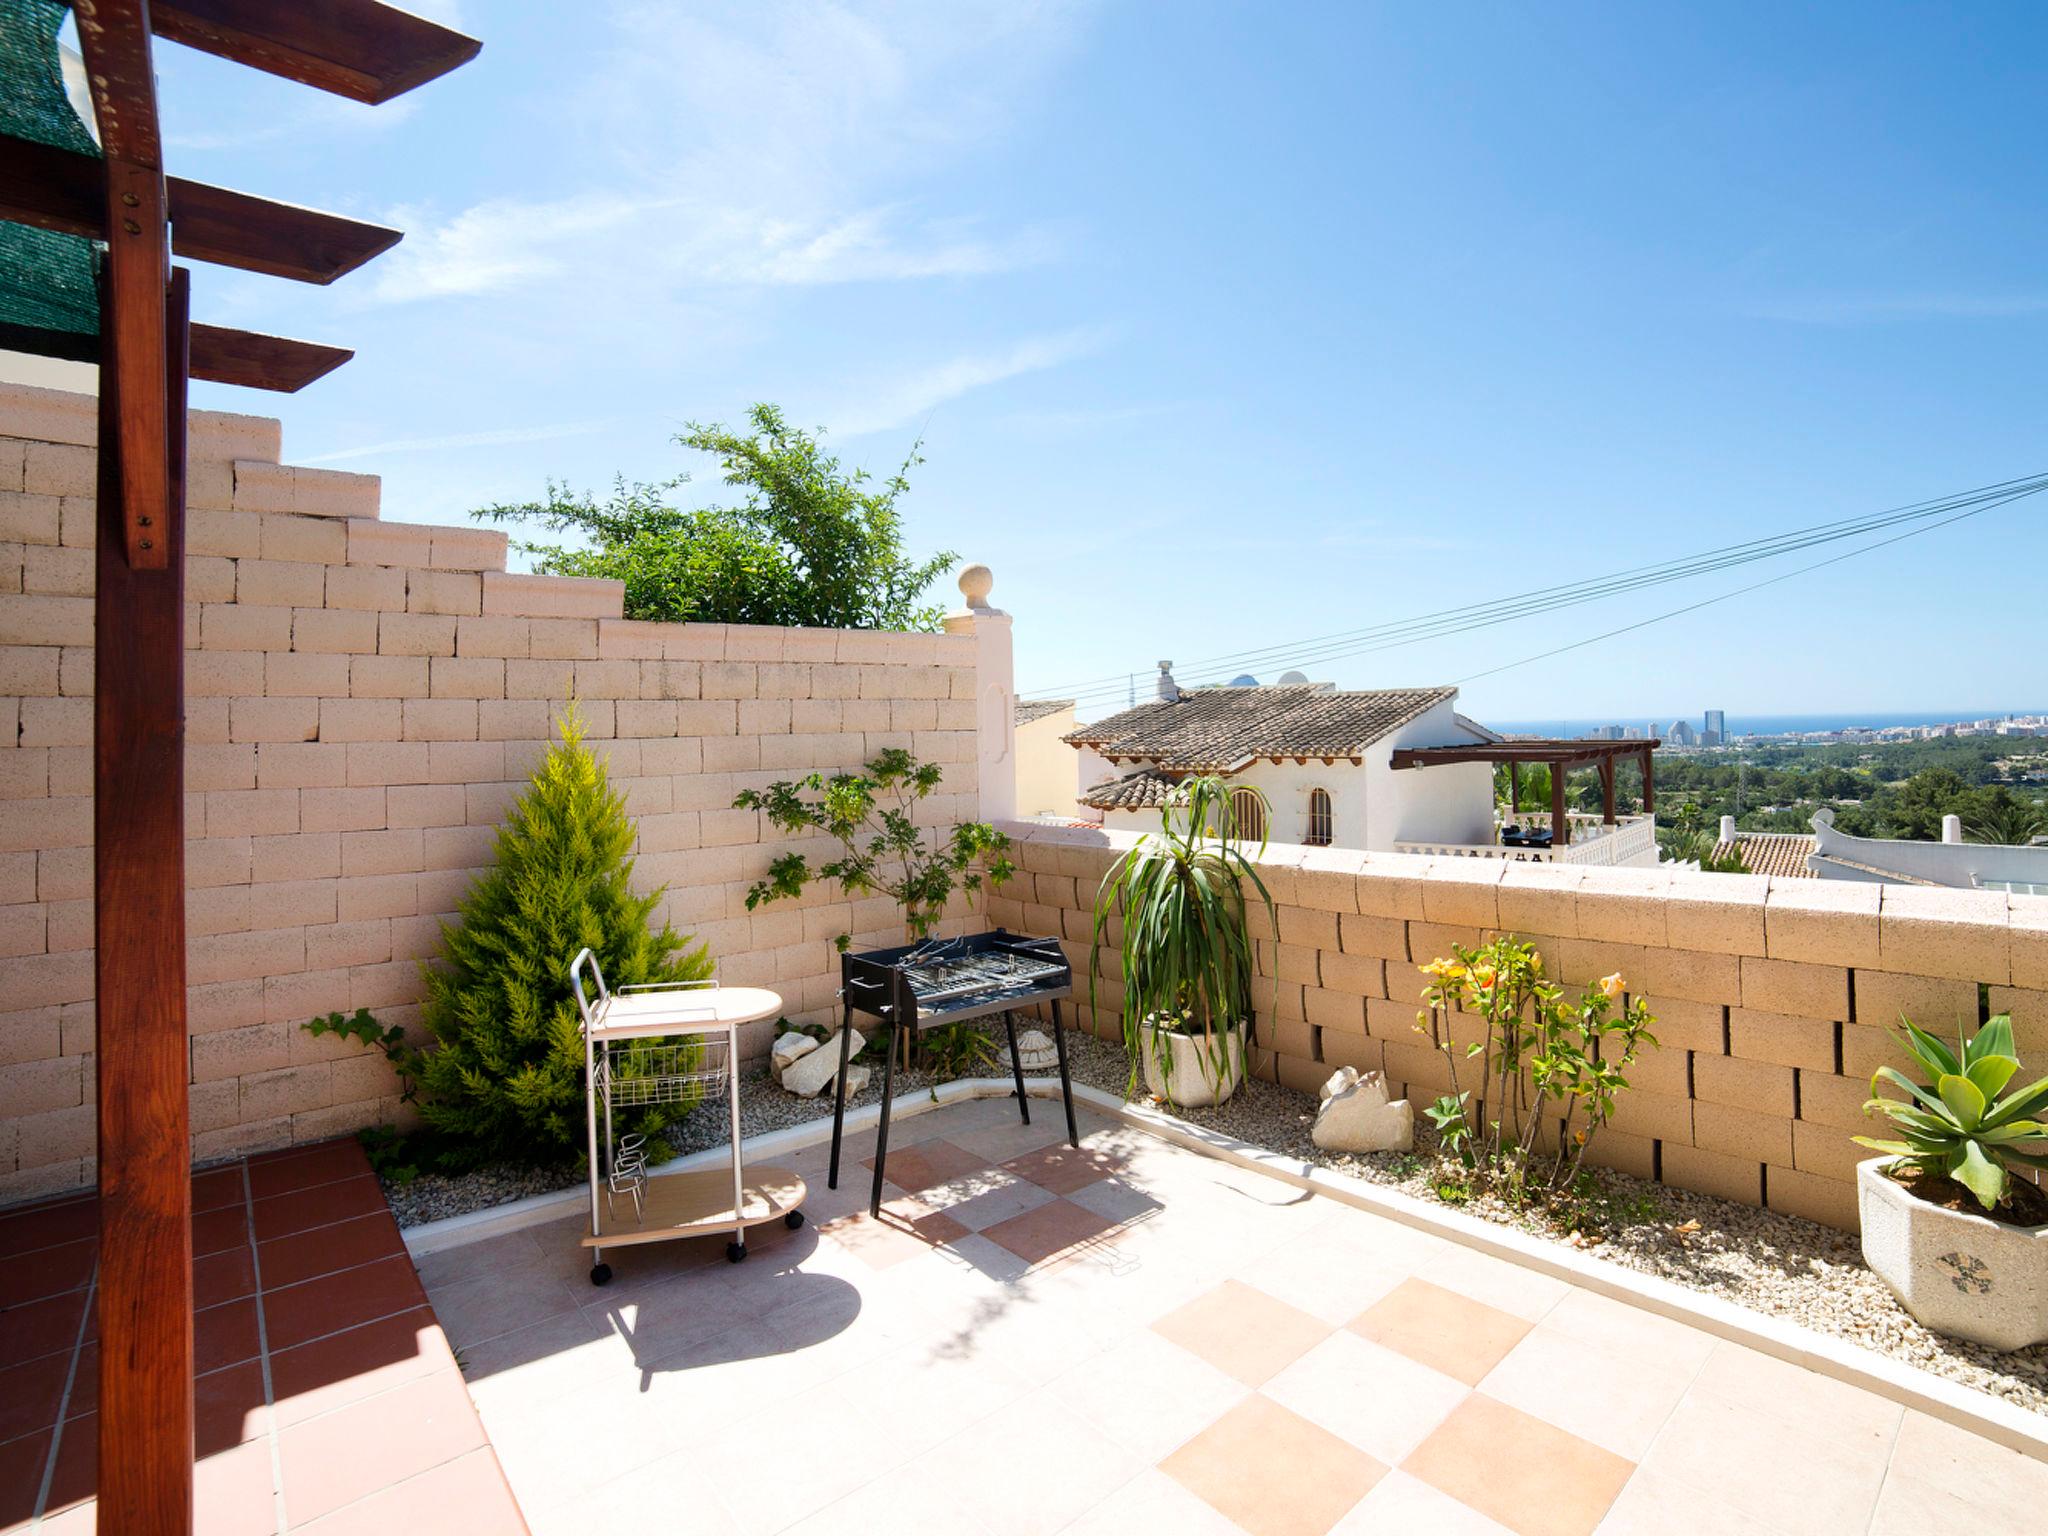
46 279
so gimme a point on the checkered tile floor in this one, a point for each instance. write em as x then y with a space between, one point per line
1130 1337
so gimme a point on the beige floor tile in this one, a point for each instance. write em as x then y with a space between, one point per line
1243 1332
1153 1504
1401 1504
902 1503
1909 1507
1030 1471
1759 1465
1382 1402
1526 1474
997 1196
1654 1505
1503 1286
1965 1465
1444 1330
1272 1471
1147 1394
1325 1276
1847 1415
1614 1400
1630 1330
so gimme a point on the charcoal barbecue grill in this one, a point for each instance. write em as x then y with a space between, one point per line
946 981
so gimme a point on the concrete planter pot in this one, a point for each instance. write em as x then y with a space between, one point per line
1959 1273
1190 1079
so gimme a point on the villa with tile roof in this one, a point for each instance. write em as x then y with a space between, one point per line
1322 756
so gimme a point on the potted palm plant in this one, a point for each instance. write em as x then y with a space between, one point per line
1962 1242
1187 955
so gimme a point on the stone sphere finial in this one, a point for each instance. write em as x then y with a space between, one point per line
975 584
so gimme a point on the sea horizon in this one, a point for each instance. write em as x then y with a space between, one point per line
1760 725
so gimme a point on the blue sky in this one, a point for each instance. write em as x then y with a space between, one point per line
1233 325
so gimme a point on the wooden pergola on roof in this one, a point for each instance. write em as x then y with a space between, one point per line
1560 756
88 224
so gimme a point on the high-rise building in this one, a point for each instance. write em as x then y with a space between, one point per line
1715 733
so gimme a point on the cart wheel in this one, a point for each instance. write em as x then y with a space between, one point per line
734 1252
793 1220
600 1274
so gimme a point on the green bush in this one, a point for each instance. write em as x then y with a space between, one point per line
503 1078
806 544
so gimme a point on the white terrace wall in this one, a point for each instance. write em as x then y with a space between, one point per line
1773 997
364 699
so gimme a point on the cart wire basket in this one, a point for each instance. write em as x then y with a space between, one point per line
640 1072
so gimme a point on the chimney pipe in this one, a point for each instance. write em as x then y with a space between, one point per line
1727 829
1169 690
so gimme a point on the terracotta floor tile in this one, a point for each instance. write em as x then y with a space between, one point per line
340 1457
217 1188
1243 1332
21 1477
295 1168
85 1383
227 1408
1272 1471
894 1237
1063 1169
55 1221
1056 1227
225 1276
235 1493
46 1271
224 1335
929 1163
1444 1330
467 1494
30 1393
38 1328
297 1313
216 1230
1530 1476
346 1367
318 1205
75 1477
323 1250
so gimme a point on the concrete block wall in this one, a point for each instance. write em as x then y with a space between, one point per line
364 699
1773 997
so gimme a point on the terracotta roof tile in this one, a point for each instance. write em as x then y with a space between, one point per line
1216 730
1028 710
1143 790
1770 853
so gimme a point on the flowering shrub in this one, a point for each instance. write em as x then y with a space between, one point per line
1546 1066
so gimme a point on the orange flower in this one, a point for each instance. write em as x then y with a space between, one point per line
1612 986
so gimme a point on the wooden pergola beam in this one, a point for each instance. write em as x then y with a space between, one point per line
219 355
355 48
65 191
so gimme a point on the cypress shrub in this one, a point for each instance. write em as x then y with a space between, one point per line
502 1078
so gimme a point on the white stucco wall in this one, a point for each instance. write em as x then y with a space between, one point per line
1371 805
1048 770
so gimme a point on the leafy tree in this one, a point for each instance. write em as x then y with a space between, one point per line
1915 809
805 544
503 1078
1997 815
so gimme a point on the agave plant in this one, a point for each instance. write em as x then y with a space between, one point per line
1187 956
1962 1124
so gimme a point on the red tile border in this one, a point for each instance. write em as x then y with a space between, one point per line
46 1271
298 1314
318 1205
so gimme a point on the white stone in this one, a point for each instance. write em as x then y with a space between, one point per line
812 1073
789 1047
1035 1049
1356 1117
856 1079
1958 1272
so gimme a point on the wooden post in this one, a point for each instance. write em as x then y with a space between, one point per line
1649 788
1607 790
145 1259
1560 828
1514 785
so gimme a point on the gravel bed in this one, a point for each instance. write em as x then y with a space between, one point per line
1772 1263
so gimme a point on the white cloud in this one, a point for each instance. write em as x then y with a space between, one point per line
742 145
916 395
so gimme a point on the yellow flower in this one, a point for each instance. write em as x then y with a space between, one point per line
1612 986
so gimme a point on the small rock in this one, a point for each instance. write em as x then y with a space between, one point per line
811 1074
856 1079
789 1047
1358 1118
1340 1080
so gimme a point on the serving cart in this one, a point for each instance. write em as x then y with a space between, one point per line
661 1044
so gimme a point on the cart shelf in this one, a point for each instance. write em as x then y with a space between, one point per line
700 1203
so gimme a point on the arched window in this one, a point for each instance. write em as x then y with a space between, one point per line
1321 823
1248 810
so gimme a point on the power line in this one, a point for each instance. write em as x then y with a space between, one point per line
1468 617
